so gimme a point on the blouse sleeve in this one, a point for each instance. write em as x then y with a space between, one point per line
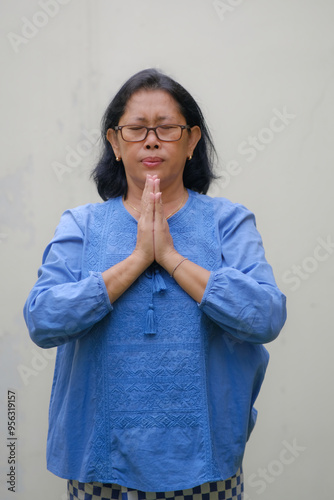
242 296
62 306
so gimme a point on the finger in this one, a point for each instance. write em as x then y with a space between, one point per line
148 210
150 179
156 182
145 190
158 208
148 184
146 204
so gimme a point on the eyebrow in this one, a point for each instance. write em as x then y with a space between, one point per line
159 118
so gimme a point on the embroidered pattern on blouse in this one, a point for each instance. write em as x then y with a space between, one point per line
160 420
161 374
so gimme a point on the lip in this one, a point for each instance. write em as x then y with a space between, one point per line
152 161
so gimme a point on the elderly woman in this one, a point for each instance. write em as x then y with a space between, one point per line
159 300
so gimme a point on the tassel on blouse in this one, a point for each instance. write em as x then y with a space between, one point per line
158 284
150 321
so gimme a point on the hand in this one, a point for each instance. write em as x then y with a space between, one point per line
154 241
163 241
145 239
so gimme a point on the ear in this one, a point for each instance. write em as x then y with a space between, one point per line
194 137
112 138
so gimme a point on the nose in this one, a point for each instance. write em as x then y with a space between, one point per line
152 140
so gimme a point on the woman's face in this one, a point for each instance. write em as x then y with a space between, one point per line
152 156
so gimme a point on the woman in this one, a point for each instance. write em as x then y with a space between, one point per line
159 300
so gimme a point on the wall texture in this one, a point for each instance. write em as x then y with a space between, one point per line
263 74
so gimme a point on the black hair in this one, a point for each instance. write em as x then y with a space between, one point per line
109 174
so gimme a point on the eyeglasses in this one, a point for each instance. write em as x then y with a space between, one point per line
138 133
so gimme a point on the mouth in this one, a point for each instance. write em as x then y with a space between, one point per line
152 161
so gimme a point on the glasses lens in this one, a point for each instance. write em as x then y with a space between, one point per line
169 132
132 133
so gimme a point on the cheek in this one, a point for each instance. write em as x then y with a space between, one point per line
180 149
129 151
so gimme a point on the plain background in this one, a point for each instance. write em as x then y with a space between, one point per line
245 62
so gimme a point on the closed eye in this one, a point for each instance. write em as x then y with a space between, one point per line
168 127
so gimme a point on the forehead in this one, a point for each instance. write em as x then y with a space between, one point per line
152 104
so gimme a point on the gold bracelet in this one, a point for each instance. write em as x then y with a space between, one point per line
177 265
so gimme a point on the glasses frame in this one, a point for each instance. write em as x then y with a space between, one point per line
148 129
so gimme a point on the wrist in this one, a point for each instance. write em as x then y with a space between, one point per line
177 265
171 261
140 259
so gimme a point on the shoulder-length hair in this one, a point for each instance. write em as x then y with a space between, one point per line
109 174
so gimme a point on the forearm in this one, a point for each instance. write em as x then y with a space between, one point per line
190 276
120 277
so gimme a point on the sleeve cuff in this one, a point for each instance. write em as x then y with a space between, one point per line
103 289
207 289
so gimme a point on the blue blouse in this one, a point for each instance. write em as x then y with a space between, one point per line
155 391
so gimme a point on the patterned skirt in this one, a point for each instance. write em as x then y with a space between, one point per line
230 489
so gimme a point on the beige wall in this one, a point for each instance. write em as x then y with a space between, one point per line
263 73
